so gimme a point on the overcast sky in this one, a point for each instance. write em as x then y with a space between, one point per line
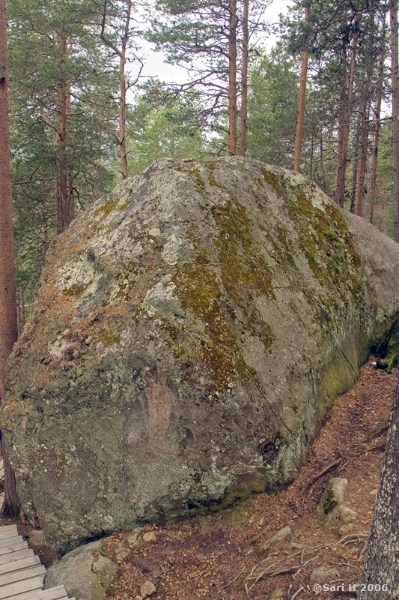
155 67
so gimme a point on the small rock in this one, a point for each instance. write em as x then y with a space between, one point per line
121 552
281 534
36 537
374 492
277 594
84 572
347 528
323 574
149 537
147 589
134 537
331 511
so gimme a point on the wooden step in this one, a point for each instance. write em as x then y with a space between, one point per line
14 556
14 576
21 574
55 593
13 547
4 535
19 587
18 565
8 528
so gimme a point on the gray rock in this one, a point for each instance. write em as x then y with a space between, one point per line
189 334
281 534
277 594
134 537
36 537
85 573
332 513
121 551
323 574
347 528
147 589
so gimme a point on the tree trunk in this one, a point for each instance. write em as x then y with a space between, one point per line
322 168
122 124
8 300
65 196
244 80
382 556
364 136
393 11
233 77
301 103
123 86
346 97
373 186
8 297
355 166
377 126
123 89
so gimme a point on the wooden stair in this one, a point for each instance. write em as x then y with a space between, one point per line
21 574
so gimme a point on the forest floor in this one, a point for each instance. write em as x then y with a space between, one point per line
218 556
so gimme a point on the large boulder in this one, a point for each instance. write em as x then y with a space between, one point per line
189 334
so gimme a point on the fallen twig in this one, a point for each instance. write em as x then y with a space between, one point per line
233 580
299 590
258 535
266 574
353 537
331 466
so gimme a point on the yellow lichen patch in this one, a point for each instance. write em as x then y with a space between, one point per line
76 289
326 243
110 206
225 279
108 337
198 289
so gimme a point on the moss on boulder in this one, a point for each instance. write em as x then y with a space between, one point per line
190 332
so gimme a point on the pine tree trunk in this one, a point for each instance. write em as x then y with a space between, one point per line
123 90
382 556
373 186
123 87
233 20
345 111
377 126
244 80
11 505
355 166
122 125
8 298
65 196
301 103
364 136
393 10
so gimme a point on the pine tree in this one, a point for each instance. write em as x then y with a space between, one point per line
8 304
205 37
272 106
60 80
119 33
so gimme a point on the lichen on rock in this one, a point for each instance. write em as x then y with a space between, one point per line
189 334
